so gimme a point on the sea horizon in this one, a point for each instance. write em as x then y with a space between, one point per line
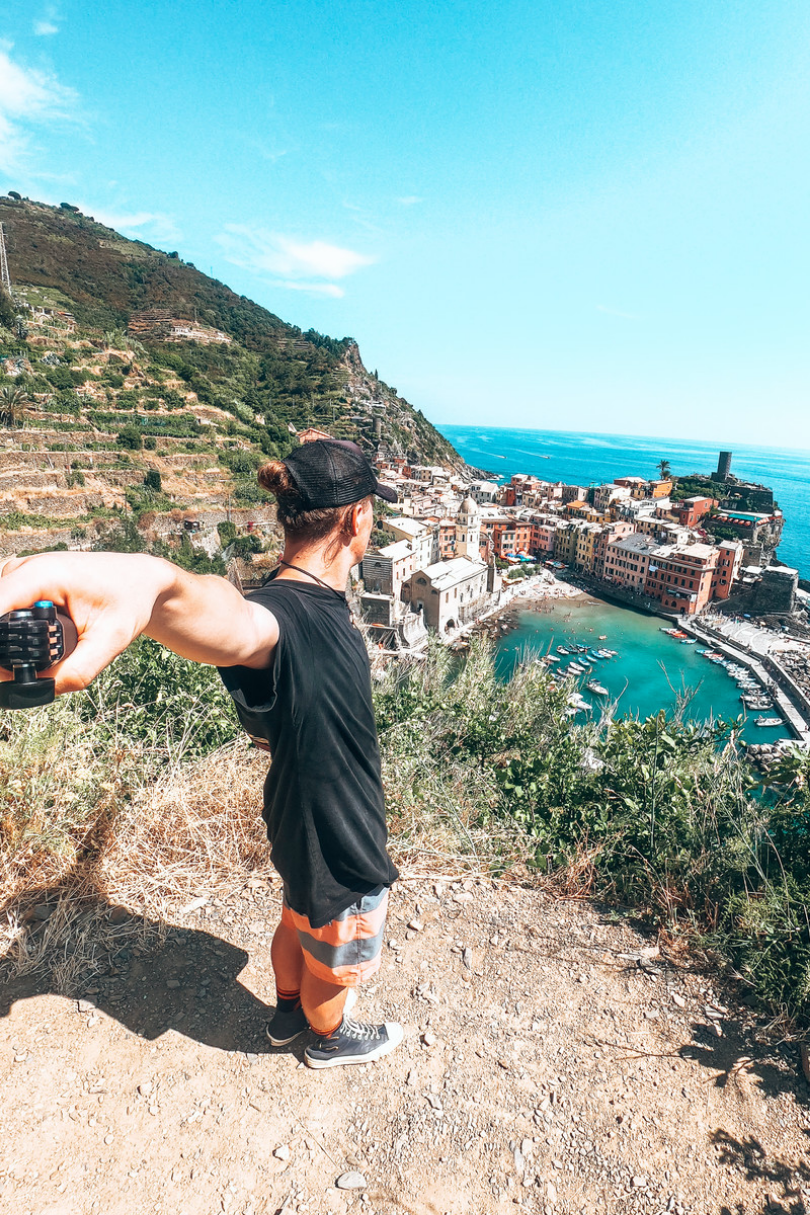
442 427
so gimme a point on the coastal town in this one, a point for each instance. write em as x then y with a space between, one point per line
459 544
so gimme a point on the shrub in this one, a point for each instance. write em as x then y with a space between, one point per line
130 437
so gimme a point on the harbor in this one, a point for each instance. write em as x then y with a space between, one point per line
640 664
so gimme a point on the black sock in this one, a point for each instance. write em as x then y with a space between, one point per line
287 1001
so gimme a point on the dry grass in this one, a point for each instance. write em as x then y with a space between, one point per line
196 833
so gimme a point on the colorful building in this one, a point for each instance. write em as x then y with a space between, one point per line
681 577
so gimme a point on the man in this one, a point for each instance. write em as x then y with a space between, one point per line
298 672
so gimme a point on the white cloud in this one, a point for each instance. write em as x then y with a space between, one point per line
43 28
627 316
156 224
330 289
28 97
299 265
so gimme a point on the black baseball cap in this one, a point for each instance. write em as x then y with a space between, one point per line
333 472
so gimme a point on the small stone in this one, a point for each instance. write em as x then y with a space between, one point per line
678 1000
467 957
282 1153
351 1181
415 925
463 896
638 1183
429 1039
85 1006
173 983
108 1139
551 1191
145 1088
43 912
652 1014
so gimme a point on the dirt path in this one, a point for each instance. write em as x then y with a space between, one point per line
549 1066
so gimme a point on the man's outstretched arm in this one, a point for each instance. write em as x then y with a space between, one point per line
113 598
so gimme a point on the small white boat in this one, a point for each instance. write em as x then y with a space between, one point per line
768 721
603 637
550 658
689 641
597 688
561 649
576 669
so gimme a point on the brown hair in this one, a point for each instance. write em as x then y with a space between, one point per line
299 524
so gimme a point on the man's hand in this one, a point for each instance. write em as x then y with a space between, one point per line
114 597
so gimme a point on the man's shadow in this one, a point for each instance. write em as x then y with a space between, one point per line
148 975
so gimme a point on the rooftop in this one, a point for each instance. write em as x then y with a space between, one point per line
444 574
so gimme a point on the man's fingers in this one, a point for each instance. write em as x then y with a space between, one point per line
92 655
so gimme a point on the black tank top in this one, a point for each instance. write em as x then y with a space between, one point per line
312 709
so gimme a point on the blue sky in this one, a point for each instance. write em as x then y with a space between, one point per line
575 215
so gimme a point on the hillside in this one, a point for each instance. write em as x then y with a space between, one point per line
121 364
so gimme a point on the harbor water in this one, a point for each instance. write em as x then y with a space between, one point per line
649 672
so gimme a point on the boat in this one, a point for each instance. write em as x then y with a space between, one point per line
561 649
551 658
666 629
768 721
581 649
678 634
576 669
612 653
689 641
595 654
702 651
603 637
603 654
598 688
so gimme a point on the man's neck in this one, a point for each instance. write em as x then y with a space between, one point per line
311 562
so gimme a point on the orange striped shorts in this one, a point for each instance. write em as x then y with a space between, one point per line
348 949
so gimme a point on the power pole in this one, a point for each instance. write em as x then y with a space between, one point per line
5 279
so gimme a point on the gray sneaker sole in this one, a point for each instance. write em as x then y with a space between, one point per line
395 1036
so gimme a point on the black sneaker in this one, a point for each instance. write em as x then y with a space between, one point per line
353 1042
285 1027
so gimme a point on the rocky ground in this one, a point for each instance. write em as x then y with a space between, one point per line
553 1062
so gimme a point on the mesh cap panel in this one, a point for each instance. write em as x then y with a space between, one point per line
333 472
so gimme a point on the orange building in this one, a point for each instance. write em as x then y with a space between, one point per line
681 577
729 561
691 510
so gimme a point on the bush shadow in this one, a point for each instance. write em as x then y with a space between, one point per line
148 975
748 1158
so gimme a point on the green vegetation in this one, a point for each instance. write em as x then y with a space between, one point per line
661 816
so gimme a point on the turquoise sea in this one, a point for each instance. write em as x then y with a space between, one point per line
651 669
580 459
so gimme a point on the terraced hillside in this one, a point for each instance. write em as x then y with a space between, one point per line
138 396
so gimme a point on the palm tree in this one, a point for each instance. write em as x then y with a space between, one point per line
12 405
663 469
